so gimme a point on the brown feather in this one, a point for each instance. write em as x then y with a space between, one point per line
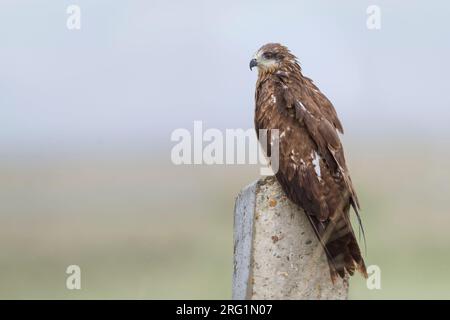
312 169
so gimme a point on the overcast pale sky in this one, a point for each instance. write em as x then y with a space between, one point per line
139 69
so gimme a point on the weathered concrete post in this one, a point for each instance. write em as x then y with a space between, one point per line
276 253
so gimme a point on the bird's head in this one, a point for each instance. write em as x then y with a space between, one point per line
272 57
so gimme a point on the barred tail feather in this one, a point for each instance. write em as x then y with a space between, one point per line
340 246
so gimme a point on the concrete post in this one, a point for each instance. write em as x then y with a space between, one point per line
276 253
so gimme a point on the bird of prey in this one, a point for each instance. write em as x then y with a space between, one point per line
312 169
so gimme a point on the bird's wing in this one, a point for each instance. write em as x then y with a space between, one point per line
312 168
327 197
327 107
322 124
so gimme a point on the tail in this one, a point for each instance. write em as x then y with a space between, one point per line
340 246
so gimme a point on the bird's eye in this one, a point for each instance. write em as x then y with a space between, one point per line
268 55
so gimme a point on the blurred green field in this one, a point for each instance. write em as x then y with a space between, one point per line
143 228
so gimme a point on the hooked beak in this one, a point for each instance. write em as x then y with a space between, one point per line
253 63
